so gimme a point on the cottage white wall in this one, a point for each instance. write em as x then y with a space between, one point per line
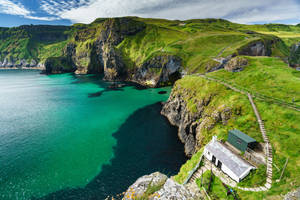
208 156
227 171
246 173
223 168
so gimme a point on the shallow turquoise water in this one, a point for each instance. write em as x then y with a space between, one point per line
65 131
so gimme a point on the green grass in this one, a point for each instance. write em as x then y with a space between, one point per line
150 191
187 167
195 89
217 190
196 42
282 124
256 178
273 78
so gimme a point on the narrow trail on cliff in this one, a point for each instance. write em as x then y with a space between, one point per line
269 154
253 94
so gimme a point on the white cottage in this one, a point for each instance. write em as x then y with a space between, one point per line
226 160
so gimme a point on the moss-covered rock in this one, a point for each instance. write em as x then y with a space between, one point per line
294 59
58 65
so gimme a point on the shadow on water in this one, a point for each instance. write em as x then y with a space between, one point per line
107 85
98 94
146 143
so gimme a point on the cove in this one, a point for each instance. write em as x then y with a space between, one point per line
70 137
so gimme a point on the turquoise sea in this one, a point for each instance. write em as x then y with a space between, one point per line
70 137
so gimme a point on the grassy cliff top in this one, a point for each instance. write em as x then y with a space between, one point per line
197 42
281 125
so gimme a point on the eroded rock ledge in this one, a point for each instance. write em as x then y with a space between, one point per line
192 126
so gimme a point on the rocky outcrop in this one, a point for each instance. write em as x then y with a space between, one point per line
159 71
161 187
103 56
293 195
20 64
139 188
192 126
294 59
236 64
257 48
58 65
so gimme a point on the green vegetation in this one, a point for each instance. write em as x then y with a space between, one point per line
281 123
243 118
151 191
273 78
188 167
255 178
196 42
217 190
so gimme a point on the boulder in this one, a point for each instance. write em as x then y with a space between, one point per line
236 64
139 188
159 71
174 191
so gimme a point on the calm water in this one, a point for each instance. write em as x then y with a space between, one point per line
68 137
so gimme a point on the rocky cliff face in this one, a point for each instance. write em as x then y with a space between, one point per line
257 48
103 56
192 126
159 71
294 59
20 64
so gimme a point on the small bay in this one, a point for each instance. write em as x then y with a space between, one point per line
69 137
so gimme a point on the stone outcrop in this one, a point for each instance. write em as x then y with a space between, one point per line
193 125
20 64
257 48
58 65
159 71
236 64
294 59
103 56
139 188
165 189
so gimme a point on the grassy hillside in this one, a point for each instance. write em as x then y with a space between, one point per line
281 124
196 42
33 42
267 76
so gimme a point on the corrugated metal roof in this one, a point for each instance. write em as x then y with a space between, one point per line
237 165
242 136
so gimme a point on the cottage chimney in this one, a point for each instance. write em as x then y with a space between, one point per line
214 138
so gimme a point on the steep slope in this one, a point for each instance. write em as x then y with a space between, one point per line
152 52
